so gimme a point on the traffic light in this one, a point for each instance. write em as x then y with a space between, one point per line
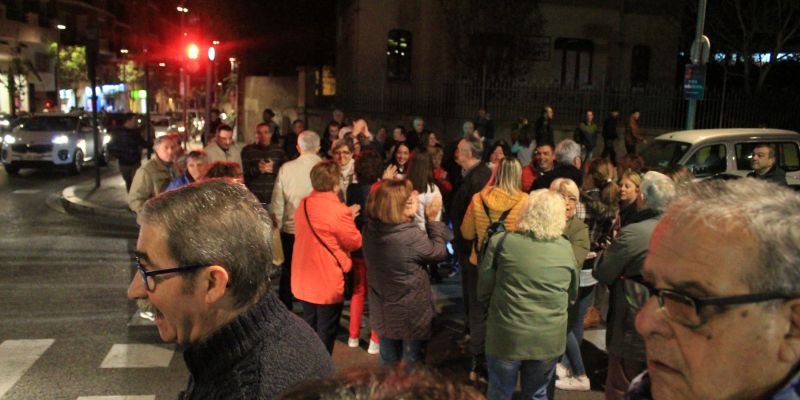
192 51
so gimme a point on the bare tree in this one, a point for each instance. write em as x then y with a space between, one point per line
743 28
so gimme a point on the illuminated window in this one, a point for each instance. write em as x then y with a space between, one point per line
398 55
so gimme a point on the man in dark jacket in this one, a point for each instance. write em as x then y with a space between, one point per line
126 145
765 166
568 165
622 261
261 162
214 297
610 135
475 175
543 129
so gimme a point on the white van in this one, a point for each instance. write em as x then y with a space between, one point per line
709 152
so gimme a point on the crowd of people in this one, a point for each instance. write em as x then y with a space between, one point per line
541 232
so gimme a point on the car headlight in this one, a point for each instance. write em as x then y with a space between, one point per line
181 129
9 139
60 139
106 139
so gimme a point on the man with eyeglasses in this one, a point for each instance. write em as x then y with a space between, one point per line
621 262
723 274
205 276
765 165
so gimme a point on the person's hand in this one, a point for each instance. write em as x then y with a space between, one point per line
355 209
432 210
390 172
444 175
266 166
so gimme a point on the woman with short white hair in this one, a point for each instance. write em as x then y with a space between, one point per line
528 278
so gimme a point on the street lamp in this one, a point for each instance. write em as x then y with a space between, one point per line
60 28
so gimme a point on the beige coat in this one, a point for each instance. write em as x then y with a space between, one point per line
293 183
215 153
150 179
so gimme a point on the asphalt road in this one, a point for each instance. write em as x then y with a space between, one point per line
67 330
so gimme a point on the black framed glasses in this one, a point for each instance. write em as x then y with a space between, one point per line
684 309
149 277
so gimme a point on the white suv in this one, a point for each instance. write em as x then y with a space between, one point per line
709 152
52 139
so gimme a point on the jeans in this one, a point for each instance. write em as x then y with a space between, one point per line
128 171
285 284
572 357
395 350
535 375
359 297
324 320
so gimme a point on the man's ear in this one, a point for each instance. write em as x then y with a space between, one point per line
216 283
790 348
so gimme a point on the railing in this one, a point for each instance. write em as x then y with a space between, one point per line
661 107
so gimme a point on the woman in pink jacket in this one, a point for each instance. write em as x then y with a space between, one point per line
325 234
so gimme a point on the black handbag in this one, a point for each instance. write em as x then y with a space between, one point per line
348 276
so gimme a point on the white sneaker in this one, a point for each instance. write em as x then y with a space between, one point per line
562 371
577 383
374 348
352 342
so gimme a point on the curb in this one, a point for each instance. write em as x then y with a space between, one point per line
77 206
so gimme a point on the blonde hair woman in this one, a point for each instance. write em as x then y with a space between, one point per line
528 278
502 198
629 192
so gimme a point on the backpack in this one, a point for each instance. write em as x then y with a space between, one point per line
493 228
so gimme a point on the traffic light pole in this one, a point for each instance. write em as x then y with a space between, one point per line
697 54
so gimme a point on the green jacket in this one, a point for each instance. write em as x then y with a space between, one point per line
578 235
150 180
528 296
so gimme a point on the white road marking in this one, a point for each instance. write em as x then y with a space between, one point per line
16 356
137 356
26 191
148 397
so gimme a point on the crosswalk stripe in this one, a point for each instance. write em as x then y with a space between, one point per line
137 356
149 397
16 356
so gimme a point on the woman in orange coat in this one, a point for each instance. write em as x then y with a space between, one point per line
325 234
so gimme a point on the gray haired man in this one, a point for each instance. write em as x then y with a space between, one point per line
205 277
722 320
293 183
619 264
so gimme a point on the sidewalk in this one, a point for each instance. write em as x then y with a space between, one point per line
110 200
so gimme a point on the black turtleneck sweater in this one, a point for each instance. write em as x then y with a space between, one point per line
259 354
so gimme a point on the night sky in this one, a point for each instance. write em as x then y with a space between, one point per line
270 36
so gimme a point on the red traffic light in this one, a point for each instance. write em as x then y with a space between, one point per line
192 51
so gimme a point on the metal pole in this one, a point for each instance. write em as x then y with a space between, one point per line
207 125
696 54
147 109
724 90
91 64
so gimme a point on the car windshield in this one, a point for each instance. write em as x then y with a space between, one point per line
49 124
663 153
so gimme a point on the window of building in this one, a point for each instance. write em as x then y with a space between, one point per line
640 66
576 58
398 55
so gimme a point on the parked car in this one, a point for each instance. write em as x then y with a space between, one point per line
62 140
710 152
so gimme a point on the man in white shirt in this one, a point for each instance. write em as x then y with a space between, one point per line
293 183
